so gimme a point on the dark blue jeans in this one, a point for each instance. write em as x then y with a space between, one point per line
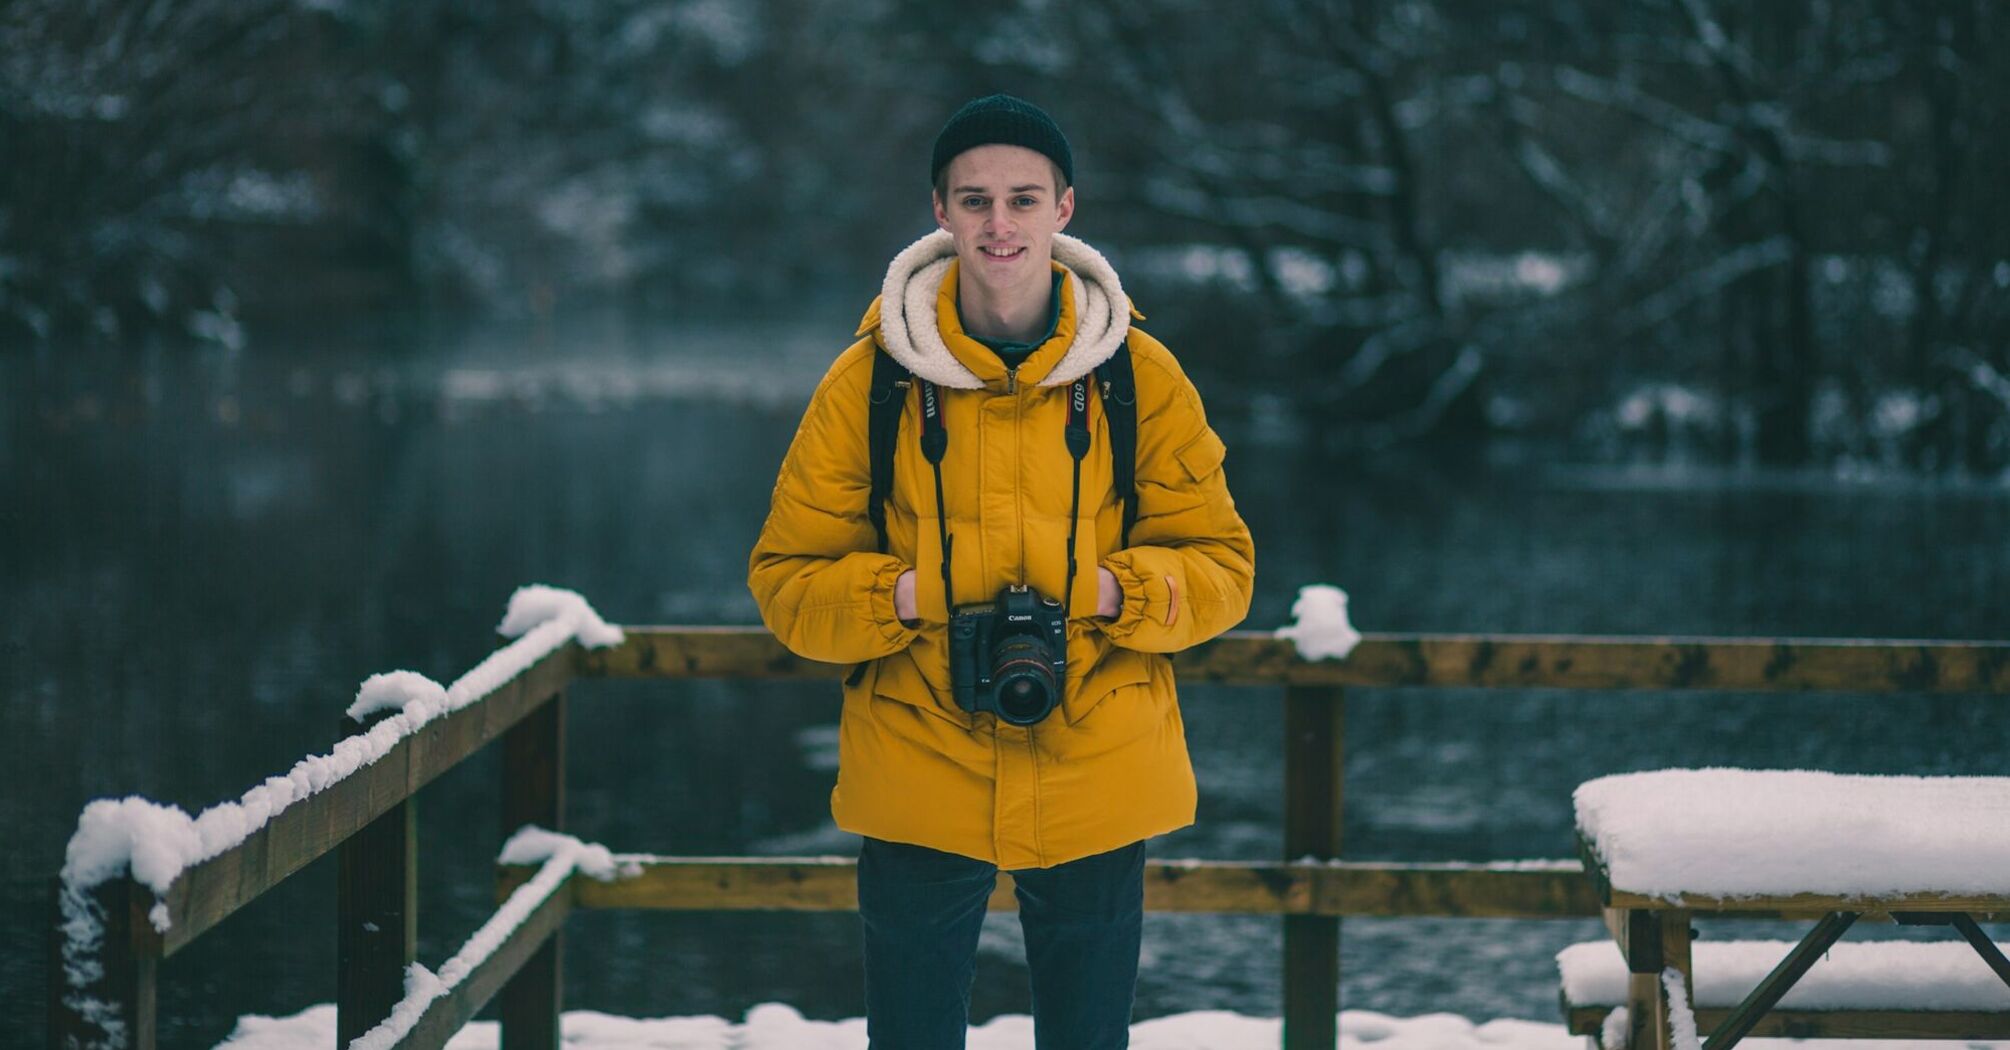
922 909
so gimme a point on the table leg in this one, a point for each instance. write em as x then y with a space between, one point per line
1776 984
1965 924
1652 942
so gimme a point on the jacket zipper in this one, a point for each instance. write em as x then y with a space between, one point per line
1012 380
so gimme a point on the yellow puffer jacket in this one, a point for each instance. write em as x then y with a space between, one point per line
1108 768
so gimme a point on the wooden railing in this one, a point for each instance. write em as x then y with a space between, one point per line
367 818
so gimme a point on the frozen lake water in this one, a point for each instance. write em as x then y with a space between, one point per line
200 559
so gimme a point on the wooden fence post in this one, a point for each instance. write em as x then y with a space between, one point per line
1314 734
376 911
116 1004
534 793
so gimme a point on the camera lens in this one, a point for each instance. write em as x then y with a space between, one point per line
1024 680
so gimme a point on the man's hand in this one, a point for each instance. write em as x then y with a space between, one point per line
903 597
1109 596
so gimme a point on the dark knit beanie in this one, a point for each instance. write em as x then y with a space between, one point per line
1002 119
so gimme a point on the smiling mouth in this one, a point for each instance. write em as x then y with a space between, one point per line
1002 254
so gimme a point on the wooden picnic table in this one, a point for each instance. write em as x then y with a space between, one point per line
1663 848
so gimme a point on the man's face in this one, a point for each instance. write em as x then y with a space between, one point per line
1003 213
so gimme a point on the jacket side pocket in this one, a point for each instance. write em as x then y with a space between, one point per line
1117 669
896 678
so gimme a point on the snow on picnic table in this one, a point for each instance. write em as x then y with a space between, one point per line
1742 832
1902 975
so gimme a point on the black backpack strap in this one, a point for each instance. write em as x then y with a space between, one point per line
890 383
1120 409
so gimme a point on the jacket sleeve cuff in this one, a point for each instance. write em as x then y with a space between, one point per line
879 602
1131 614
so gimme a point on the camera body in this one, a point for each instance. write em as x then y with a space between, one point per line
1009 656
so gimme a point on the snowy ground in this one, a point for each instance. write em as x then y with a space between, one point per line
773 1026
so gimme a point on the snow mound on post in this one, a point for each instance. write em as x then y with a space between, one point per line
1322 629
1744 832
153 841
534 845
394 691
537 604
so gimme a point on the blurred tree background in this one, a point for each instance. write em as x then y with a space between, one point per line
1764 233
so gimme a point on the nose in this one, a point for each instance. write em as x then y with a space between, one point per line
997 220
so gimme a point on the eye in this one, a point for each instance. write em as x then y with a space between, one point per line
1025 201
973 202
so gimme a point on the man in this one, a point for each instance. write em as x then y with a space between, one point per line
997 315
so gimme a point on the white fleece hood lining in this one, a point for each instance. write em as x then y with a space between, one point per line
907 321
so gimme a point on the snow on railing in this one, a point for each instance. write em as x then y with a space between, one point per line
1616 1032
155 843
558 857
1320 628
1681 1019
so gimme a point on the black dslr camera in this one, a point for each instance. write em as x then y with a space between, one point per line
1009 656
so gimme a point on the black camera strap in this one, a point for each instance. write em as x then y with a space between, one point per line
1077 434
935 442
891 382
